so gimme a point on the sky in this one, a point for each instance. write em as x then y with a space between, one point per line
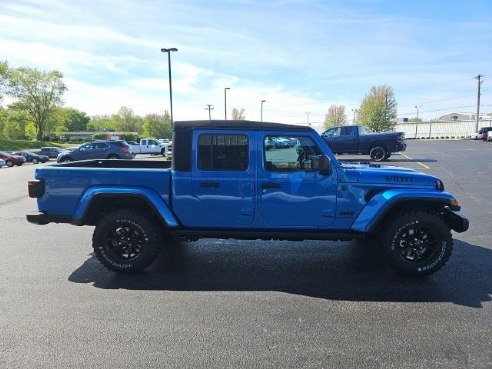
300 56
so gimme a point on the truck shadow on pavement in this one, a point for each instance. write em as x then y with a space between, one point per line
328 270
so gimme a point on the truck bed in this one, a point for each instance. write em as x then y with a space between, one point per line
68 184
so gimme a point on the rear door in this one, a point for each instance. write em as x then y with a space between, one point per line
223 178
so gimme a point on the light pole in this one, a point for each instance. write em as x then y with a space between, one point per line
355 112
261 110
308 113
209 107
168 51
417 107
225 102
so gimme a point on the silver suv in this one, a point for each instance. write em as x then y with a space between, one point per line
104 149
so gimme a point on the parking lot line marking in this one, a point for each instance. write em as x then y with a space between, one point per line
419 163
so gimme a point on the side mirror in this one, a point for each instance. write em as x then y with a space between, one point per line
324 165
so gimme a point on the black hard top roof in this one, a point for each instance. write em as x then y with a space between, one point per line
236 124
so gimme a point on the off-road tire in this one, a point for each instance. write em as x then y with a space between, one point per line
417 243
378 153
126 241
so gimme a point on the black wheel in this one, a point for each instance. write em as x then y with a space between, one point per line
126 241
113 156
378 153
9 163
66 160
417 243
35 161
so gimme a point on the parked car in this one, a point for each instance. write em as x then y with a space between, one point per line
11 160
149 146
355 140
50 152
2 163
482 133
103 149
32 157
489 136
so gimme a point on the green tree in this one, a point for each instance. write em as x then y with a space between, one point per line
4 71
99 123
378 110
15 122
238 114
335 116
37 93
127 121
77 120
158 126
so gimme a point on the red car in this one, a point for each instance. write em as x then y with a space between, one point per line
11 160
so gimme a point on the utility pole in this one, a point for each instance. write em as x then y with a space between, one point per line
307 117
225 102
478 100
209 107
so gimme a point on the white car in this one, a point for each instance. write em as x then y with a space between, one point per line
489 136
2 163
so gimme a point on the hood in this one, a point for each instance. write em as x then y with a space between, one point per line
387 175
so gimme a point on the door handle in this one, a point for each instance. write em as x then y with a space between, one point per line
209 185
270 185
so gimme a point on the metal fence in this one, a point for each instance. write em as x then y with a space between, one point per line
441 130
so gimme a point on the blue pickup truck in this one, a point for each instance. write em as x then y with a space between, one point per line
224 183
355 140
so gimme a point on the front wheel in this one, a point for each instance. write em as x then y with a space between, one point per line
9 163
417 243
126 241
378 153
35 161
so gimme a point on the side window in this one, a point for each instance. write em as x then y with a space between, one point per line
290 153
86 147
100 146
223 152
346 131
332 132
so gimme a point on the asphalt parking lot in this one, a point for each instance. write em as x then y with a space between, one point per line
243 304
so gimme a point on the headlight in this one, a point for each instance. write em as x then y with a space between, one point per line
439 185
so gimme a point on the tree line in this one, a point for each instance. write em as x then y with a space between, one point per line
38 112
377 111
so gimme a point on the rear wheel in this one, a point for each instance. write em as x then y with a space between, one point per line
378 153
113 156
417 243
66 160
126 241
35 161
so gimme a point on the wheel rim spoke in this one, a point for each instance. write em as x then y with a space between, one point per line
417 244
125 242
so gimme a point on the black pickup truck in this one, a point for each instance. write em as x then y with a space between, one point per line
355 140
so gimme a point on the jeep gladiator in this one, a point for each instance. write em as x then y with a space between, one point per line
355 140
223 183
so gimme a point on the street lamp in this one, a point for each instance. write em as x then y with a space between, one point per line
168 51
261 110
225 102
355 112
417 107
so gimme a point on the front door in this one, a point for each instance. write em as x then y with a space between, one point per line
292 193
223 178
